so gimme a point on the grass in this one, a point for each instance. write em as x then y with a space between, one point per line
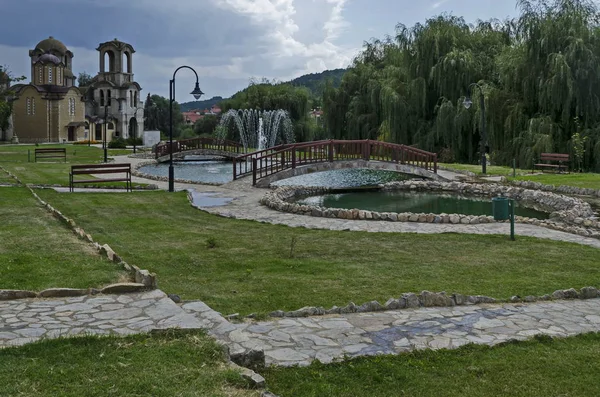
244 266
52 171
38 252
172 364
540 367
491 170
585 180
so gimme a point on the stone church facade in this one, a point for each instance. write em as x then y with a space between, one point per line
52 109
114 93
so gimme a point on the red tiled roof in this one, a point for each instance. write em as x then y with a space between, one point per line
191 117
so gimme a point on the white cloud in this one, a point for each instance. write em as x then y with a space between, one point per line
226 41
438 4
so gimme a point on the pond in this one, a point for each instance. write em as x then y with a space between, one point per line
210 171
346 178
416 202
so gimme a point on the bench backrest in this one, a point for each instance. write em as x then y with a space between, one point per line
103 167
554 157
54 150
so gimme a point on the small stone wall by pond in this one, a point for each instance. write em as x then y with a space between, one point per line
567 214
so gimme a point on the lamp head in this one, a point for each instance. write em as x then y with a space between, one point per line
197 93
467 103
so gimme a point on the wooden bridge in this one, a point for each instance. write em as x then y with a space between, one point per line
264 163
199 146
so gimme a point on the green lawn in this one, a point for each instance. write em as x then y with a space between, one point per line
250 269
541 367
491 170
52 171
586 180
174 364
38 252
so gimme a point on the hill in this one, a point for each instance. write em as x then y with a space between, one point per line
205 104
315 82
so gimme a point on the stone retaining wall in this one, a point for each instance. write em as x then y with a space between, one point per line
568 214
578 191
433 299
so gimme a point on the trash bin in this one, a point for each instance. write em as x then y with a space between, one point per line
500 208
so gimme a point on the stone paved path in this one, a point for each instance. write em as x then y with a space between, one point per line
27 320
298 341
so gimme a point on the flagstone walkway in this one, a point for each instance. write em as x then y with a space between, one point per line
297 341
27 320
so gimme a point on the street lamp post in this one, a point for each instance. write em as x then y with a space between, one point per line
104 137
197 93
136 127
468 103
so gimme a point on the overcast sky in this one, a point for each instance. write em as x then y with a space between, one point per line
228 42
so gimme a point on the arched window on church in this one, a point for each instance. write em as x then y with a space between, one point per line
59 76
49 74
28 106
135 99
101 97
108 95
111 126
40 75
33 106
131 98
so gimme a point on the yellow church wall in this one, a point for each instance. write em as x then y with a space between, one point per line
65 116
33 127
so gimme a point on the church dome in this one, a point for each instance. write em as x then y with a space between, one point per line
51 44
49 58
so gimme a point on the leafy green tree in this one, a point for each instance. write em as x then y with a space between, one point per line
84 79
539 73
206 125
6 79
156 112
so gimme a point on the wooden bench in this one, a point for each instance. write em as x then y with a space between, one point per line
51 154
562 159
93 169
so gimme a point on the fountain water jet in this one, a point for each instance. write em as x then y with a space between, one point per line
259 129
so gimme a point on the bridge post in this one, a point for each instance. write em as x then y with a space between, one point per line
294 157
330 154
253 171
435 163
367 149
234 170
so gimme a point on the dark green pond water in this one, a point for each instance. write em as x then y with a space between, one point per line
403 201
347 178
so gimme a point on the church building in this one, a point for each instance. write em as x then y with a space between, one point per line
50 108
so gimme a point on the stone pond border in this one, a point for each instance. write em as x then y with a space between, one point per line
432 299
136 172
143 278
568 214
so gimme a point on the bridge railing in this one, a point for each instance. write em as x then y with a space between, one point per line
199 143
271 161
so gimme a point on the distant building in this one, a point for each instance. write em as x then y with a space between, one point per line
190 117
50 108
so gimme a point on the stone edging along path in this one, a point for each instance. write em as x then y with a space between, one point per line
568 214
143 278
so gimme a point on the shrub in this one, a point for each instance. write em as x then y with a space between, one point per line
117 143
137 141
86 142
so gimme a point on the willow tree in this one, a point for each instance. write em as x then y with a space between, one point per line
540 74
